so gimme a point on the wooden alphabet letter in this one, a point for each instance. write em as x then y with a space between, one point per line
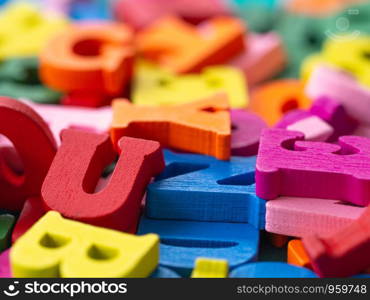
69 186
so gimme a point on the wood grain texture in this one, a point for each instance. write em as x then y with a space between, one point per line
69 186
345 253
202 127
289 166
181 242
295 216
58 247
202 188
217 40
36 148
246 132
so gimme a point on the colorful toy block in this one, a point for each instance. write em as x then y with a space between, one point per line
210 268
202 127
59 117
57 247
24 30
216 40
263 58
288 166
273 99
341 86
345 253
78 166
313 129
328 110
36 148
181 242
246 131
297 254
154 86
295 216
93 58
202 188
